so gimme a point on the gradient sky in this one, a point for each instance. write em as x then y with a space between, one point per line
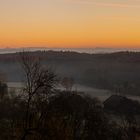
70 23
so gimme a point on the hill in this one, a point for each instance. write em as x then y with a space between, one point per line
122 105
119 72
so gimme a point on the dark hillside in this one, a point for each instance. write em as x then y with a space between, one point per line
122 105
119 71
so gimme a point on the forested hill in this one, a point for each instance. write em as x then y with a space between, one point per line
115 71
67 55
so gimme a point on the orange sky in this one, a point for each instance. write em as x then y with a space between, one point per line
70 23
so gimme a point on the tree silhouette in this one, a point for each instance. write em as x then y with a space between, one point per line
39 86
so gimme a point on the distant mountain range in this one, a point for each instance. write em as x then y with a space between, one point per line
80 50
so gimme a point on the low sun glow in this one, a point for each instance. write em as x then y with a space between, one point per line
68 23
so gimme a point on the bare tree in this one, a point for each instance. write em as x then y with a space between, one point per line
67 83
39 86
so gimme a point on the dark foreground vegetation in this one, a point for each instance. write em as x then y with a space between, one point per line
41 112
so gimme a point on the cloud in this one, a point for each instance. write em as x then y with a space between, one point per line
108 4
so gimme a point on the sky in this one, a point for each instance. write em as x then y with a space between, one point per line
70 23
